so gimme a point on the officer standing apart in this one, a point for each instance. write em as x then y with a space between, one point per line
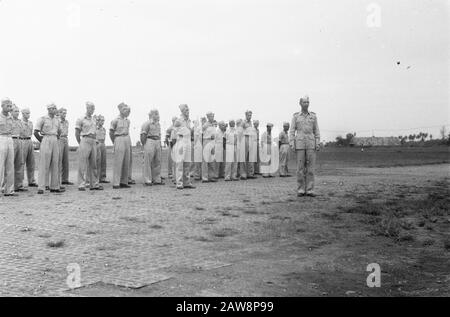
28 147
304 138
64 147
6 150
47 132
151 141
86 135
283 143
119 134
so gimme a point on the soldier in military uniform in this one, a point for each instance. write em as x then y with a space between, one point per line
64 148
101 149
209 132
151 141
17 128
168 142
119 134
266 147
6 150
231 153
86 135
283 143
28 147
258 161
184 142
219 151
47 132
304 138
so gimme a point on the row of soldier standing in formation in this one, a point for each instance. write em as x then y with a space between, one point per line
206 150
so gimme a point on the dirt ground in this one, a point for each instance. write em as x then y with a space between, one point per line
253 238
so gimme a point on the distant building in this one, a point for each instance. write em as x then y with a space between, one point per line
375 141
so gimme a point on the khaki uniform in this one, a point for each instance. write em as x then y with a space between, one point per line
122 150
6 155
258 160
190 150
49 152
284 153
182 156
198 153
152 152
64 151
230 154
219 154
267 159
208 170
87 153
240 152
304 135
101 153
18 153
247 167
173 140
169 147
28 151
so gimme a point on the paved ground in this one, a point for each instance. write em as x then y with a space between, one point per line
252 238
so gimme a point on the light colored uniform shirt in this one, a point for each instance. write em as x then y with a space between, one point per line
208 131
5 124
266 139
188 124
151 129
120 126
48 126
284 138
101 134
64 128
87 126
27 129
304 131
16 128
231 136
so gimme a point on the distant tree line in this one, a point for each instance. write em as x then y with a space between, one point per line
421 137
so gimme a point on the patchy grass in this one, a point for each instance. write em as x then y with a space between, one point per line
394 218
223 232
132 219
56 244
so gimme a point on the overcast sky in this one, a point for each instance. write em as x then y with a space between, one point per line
227 56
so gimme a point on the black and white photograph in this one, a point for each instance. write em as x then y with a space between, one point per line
239 152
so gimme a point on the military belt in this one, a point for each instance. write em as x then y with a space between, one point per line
153 137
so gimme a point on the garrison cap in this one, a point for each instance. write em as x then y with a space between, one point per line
269 124
89 104
6 101
26 110
122 105
183 106
304 98
286 123
51 105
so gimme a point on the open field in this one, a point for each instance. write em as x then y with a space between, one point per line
250 238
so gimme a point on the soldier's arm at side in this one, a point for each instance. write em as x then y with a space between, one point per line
317 134
37 131
292 133
144 133
111 130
